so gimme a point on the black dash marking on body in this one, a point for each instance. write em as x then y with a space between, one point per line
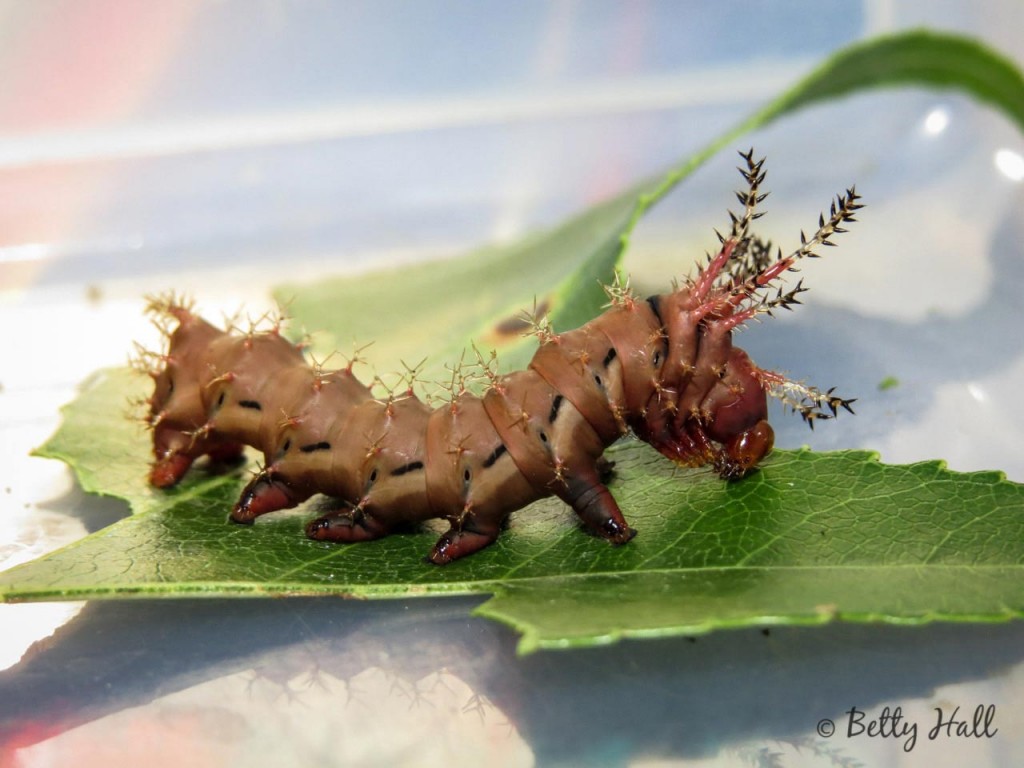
412 466
556 404
496 454
653 302
609 357
250 404
321 446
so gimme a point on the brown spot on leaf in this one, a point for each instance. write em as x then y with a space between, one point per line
522 323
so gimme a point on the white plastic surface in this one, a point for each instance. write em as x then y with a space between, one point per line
218 148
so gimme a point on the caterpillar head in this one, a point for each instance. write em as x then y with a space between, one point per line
729 430
738 408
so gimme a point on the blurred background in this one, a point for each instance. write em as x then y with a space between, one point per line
220 147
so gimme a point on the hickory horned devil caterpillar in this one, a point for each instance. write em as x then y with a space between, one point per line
663 367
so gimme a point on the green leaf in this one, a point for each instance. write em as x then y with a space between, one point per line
806 539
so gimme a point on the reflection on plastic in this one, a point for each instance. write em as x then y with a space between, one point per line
30 623
246 719
1010 164
936 121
